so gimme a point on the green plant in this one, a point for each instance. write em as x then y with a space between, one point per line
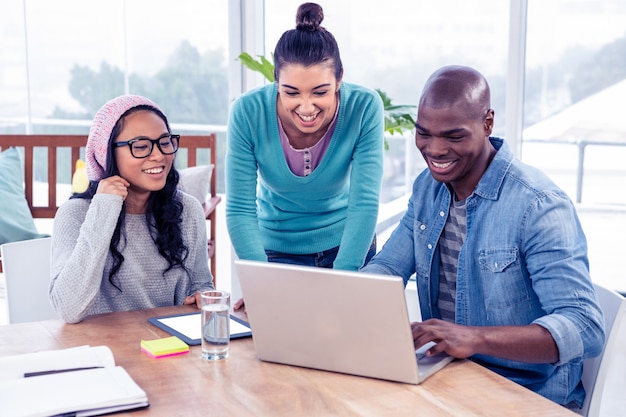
398 117
263 66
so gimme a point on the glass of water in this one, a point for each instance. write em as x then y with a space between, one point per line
215 324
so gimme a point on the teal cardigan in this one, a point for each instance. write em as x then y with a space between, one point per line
337 205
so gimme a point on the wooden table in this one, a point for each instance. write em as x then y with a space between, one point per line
243 386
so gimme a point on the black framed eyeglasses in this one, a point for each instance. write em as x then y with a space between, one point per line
142 147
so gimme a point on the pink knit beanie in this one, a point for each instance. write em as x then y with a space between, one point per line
101 128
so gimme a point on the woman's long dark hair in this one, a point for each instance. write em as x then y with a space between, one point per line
164 212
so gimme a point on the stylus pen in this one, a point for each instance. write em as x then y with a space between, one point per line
58 371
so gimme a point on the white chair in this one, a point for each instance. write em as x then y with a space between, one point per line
26 267
595 370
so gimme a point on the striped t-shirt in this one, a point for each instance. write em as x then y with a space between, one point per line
450 244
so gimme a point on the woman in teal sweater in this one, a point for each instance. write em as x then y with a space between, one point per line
315 144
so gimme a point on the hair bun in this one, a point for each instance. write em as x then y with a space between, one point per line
309 17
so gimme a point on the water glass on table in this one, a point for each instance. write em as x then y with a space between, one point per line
215 324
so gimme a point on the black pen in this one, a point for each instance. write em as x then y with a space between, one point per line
58 371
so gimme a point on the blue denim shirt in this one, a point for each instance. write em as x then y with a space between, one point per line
524 261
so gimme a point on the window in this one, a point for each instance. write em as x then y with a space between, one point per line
64 59
61 60
575 129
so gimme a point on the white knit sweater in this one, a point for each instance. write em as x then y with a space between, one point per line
81 260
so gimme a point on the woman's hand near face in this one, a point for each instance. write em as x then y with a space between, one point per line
115 185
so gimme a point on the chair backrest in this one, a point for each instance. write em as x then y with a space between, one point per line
49 143
27 278
595 370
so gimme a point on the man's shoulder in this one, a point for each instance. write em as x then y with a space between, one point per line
532 177
512 174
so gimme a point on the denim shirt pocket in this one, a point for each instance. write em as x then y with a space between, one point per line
503 285
496 260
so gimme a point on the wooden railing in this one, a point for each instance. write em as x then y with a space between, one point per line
76 144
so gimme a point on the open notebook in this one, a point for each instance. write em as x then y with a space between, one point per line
81 381
333 320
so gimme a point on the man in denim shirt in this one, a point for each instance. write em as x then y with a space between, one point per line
497 248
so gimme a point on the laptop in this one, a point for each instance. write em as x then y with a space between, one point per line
340 321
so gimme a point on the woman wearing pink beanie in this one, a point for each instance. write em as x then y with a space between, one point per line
132 240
